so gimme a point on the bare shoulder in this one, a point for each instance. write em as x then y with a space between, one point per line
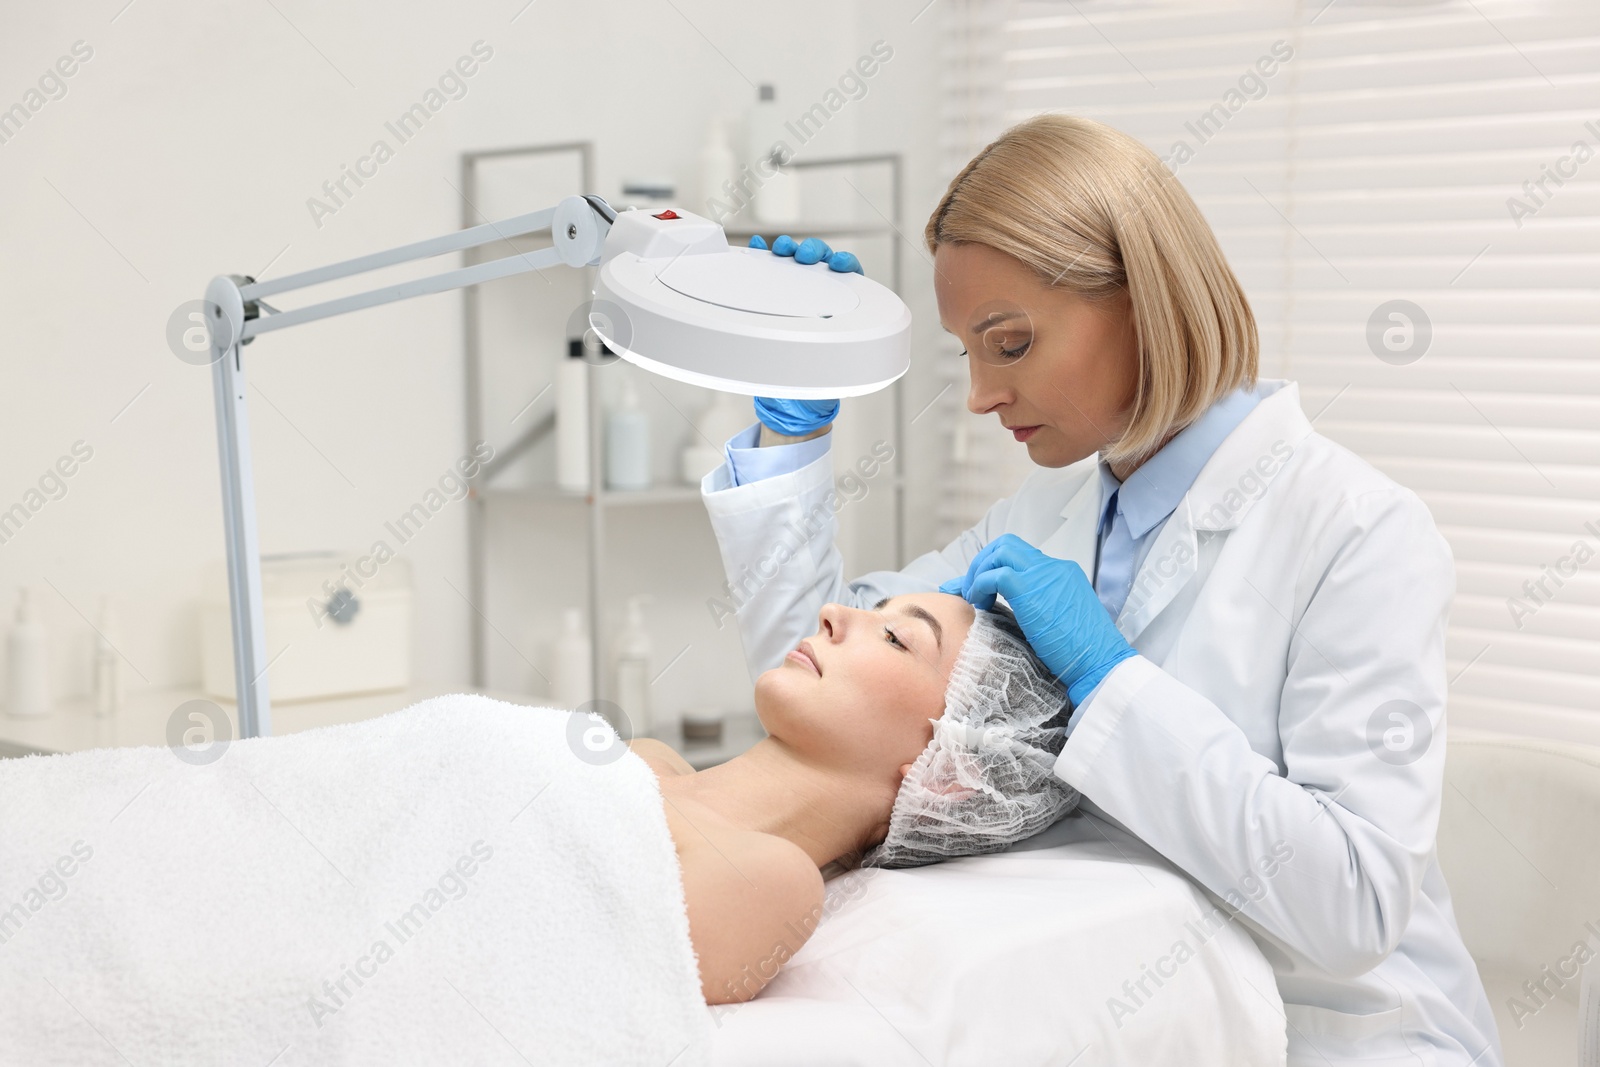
753 900
661 757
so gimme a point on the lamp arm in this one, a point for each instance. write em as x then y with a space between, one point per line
520 263
578 227
234 309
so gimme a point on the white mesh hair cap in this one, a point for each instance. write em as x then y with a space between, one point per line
985 781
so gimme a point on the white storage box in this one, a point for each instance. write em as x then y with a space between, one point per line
355 640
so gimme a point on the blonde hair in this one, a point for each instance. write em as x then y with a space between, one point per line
1091 210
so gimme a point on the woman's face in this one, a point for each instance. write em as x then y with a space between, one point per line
859 693
1059 371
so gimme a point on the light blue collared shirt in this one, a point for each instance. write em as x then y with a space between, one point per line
1151 493
747 462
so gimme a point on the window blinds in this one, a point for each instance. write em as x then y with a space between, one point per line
1411 198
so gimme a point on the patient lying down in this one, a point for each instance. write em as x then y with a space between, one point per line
900 735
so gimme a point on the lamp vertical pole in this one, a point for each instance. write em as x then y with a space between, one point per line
225 315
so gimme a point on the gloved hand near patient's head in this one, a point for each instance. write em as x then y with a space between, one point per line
985 781
1056 606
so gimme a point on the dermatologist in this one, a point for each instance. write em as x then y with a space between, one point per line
1249 619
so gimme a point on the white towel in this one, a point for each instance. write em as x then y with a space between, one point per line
448 884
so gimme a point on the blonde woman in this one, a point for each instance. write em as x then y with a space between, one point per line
1249 619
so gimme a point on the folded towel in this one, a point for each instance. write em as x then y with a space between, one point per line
448 884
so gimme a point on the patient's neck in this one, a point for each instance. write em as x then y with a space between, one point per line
773 789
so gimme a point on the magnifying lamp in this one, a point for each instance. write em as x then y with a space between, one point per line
670 296
673 298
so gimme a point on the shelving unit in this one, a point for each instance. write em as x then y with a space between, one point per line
480 490
597 499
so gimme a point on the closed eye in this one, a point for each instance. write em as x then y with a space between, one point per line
1008 353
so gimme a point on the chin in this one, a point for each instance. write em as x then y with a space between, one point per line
773 698
1052 451
793 709
1048 455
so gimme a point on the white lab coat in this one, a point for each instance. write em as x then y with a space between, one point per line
1294 593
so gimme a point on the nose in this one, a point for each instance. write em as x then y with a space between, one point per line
837 621
988 389
832 620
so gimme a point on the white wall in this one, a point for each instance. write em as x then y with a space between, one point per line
189 144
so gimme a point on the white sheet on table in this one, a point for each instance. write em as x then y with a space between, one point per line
221 903
1014 959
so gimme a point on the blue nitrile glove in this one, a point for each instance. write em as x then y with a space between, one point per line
796 418
1056 606
812 250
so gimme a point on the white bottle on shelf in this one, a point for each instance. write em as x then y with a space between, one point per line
719 197
725 416
628 442
633 654
777 199
572 420
570 663
27 689
107 663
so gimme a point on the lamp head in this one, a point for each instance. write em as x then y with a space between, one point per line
674 298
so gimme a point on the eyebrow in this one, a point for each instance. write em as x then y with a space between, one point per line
987 321
919 613
996 318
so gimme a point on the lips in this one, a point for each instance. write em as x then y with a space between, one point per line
1022 433
806 657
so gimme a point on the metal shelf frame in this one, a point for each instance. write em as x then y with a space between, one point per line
598 499
472 349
